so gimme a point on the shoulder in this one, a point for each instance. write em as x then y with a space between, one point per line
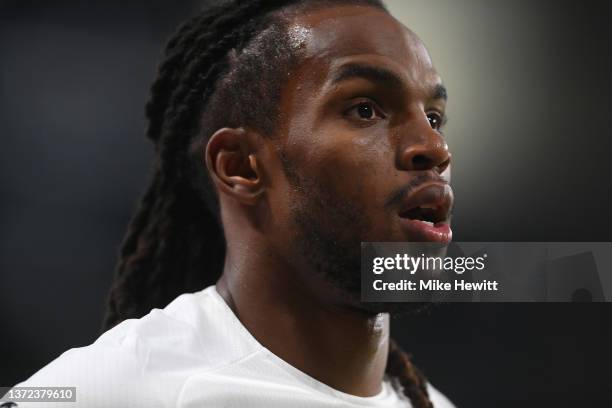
141 362
438 399
103 375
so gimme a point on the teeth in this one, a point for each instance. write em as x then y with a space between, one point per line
431 224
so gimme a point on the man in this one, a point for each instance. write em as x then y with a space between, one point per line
286 133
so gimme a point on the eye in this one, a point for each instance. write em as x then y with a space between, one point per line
365 111
435 120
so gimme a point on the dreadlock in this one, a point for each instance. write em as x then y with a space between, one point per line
223 67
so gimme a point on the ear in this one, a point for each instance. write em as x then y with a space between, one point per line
231 159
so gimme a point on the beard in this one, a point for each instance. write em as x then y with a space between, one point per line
329 232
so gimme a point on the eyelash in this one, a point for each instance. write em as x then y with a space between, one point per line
441 119
376 110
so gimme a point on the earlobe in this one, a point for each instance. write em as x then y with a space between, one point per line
231 159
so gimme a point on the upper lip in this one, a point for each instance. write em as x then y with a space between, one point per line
430 201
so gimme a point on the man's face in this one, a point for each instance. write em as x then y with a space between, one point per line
363 158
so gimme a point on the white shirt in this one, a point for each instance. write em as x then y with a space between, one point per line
193 353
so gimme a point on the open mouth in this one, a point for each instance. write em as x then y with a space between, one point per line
428 214
425 214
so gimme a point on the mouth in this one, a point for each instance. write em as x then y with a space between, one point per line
425 213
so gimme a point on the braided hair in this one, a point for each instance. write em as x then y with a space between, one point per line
222 68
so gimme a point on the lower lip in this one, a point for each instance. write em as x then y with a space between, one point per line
419 231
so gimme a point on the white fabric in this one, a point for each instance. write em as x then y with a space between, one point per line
193 353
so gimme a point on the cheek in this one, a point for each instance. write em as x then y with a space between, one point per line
359 170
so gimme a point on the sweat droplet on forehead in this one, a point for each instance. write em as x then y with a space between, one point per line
298 35
337 32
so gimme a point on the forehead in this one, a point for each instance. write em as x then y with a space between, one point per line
333 36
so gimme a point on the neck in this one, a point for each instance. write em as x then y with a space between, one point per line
339 346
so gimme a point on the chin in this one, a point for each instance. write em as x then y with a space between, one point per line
395 309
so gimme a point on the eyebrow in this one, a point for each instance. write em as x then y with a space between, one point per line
440 92
375 74
379 74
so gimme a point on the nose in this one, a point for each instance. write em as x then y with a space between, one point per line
428 152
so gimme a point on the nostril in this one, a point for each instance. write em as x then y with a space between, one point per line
442 166
421 162
420 157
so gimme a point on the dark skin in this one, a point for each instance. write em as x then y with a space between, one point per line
358 134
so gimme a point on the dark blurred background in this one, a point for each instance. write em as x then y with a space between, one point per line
529 128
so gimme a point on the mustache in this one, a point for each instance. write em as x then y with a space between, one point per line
398 195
